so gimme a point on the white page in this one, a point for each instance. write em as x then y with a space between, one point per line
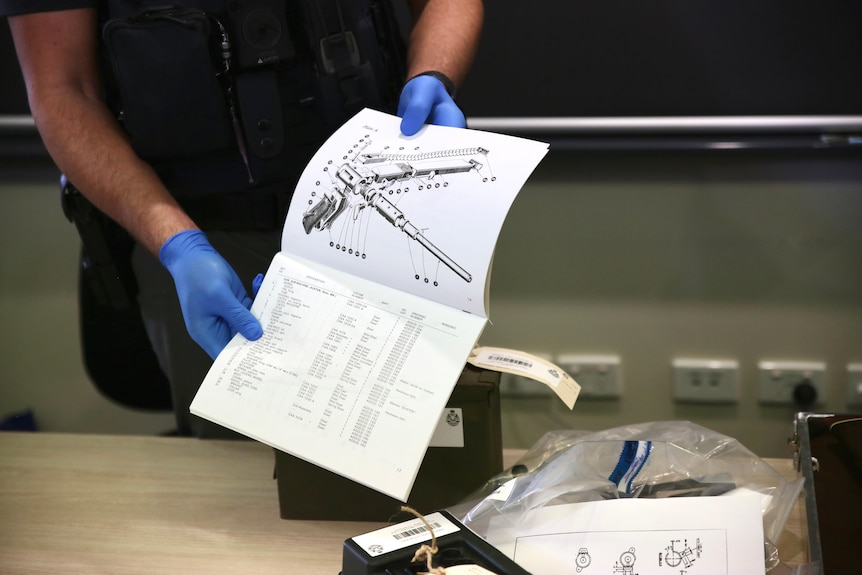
348 375
358 356
696 535
459 213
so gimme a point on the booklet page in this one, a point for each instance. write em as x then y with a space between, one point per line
686 535
372 307
348 375
421 214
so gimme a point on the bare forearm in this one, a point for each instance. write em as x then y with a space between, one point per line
83 138
88 146
445 37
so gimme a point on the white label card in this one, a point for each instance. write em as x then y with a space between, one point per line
406 534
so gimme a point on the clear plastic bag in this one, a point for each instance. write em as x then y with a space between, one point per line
654 459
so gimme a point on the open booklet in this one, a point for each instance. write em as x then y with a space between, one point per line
376 299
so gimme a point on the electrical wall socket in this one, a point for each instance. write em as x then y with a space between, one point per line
854 385
705 380
799 383
600 376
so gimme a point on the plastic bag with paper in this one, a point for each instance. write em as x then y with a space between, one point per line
655 460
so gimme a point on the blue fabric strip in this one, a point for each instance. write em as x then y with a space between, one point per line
633 457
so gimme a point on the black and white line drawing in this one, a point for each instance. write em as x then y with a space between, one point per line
583 559
674 556
363 183
626 563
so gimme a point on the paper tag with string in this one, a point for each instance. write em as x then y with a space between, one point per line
468 570
529 366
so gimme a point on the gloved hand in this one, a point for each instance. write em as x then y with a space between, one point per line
214 302
424 99
255 284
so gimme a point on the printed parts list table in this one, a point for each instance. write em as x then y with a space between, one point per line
368 343
324 346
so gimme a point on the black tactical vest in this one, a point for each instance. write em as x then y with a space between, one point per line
229 95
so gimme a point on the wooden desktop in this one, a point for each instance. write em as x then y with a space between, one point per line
117 505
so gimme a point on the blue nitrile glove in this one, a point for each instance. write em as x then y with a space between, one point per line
214 302
255 284
424 99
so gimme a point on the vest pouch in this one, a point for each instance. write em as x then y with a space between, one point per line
172 101
349 62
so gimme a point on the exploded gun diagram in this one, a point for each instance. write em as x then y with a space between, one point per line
369 186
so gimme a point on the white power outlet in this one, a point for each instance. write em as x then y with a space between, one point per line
854 385
600 376
799 383
705 380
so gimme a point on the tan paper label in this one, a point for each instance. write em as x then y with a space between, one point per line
529 366
467 570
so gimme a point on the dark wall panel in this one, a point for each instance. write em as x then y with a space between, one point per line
667 58
13 96
644 58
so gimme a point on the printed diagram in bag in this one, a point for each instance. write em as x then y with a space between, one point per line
583 559
358 195
623 552
625 565
678 554
637 536
681 554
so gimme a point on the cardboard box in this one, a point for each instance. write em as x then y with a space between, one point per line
446 476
